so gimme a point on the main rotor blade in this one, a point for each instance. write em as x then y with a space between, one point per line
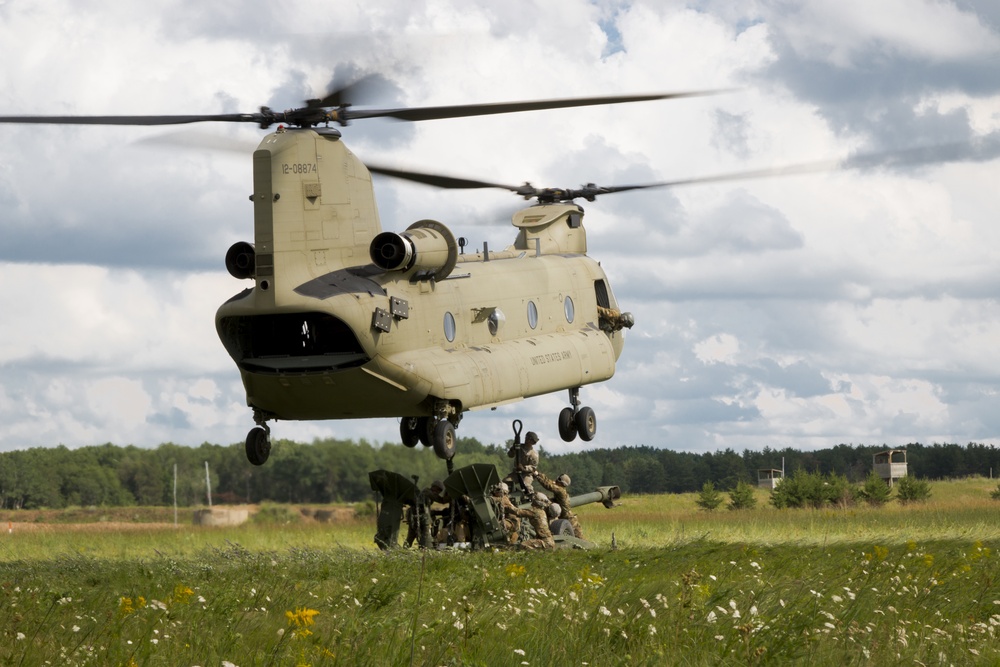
465 110
438 180
131 120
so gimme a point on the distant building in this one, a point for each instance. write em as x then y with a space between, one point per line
890 465
769 478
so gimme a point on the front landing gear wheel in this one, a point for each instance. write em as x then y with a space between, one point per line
258 446
567 425
444 440
408 431
586 424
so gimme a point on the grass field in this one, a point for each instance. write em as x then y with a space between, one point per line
917 584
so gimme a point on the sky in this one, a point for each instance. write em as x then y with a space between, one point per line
857 305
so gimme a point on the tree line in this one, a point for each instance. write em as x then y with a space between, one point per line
337 470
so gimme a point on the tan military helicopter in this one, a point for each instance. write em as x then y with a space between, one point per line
347 321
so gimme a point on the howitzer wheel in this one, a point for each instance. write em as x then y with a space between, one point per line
561 527
567 425
444 440
258 446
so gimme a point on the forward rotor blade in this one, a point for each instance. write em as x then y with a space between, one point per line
438 180
465 110
131 120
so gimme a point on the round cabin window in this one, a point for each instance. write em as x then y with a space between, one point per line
449 327
532 314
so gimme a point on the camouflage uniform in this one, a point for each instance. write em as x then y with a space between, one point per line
508 513
525 461
543 536
561 496
611 320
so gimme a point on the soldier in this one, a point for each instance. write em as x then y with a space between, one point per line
421 515
560 494
508 512
525 461
536 515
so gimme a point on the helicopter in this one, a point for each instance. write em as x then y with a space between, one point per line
346 321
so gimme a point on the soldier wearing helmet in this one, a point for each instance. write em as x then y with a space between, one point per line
560 494
539 522
508 512
525 461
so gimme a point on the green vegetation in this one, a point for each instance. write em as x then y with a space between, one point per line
875 491
709 498
910 584
912 490
742 497
333 470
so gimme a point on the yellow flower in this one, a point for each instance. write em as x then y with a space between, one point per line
515 570
301 617
182 593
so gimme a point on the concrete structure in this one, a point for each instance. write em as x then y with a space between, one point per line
221 517
890 465
769 478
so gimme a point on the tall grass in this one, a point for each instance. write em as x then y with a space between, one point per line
685 587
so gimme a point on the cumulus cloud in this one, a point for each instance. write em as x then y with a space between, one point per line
848 305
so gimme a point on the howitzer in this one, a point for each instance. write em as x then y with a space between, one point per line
473 518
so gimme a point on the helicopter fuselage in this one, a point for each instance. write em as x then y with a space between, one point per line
346 321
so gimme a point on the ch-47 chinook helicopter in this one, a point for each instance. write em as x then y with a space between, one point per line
347 321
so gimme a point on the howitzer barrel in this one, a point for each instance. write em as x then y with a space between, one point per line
606 495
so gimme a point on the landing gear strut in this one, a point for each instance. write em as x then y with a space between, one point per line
575 420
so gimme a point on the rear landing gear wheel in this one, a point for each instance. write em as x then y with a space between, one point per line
567 425
408 431
444 440
425 431
586 424
258 446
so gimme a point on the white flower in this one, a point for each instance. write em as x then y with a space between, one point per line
836 598
711 617
76 628
519 651
604 610
20 636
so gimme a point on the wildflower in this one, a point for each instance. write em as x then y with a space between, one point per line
515 570
652 629
301 618
76 628
182 594
519 651
836 598
604 610
711 617
20 636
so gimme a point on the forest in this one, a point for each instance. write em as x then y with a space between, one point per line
328 471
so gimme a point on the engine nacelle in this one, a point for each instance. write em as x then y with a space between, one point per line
426 247
241 260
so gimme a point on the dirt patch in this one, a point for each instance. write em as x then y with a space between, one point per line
94 527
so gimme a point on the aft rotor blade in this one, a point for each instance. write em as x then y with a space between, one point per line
465 110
